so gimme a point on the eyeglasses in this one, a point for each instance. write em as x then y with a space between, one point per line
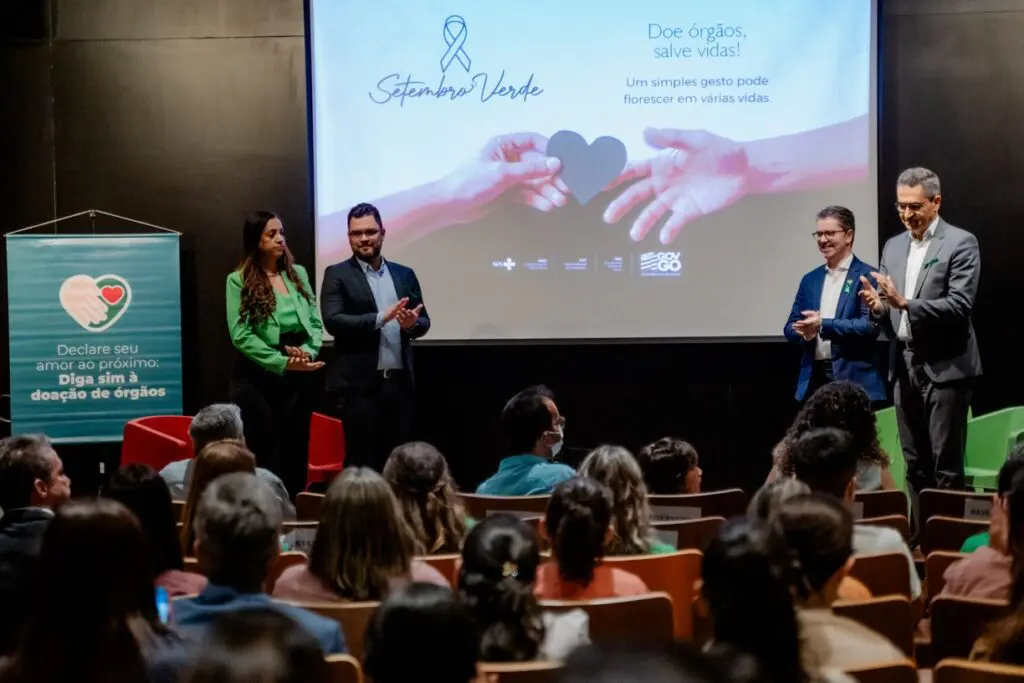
829 234
359 234
911 206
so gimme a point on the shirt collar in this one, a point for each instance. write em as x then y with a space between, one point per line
367 268
843 266
930 232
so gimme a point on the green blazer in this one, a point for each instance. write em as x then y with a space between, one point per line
259 343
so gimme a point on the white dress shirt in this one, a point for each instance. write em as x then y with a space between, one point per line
830 291
915 259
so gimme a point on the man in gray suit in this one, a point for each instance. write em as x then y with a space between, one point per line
924 298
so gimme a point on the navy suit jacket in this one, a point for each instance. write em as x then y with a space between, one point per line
852 332
350 316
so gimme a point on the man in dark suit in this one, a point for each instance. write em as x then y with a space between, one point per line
829 320
373 308
925 295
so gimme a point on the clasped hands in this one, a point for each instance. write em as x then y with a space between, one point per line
809 327
886 292
301 361
406 317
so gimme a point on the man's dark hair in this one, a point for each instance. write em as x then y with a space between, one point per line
825 460
525 418
665 464
841 215
1009 470
365 209
22 461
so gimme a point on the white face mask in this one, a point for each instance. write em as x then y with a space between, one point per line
556 447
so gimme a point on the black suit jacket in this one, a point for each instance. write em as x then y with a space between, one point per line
21 535
350 316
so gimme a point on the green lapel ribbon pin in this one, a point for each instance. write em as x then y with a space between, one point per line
931 263
846 288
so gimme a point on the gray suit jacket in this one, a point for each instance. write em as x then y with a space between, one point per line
940 311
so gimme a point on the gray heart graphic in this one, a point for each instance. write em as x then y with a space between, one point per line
586 169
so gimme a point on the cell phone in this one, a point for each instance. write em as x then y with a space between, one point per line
163 605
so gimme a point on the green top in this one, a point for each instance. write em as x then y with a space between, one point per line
659 548
259 343
974 542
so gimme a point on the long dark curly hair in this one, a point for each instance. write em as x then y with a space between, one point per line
843 405
258 300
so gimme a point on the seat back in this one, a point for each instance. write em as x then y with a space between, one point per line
178 510
644 620
963 671
447 563
880 504
688 534
522 672
726 503
888 432
299 536
674 574
156 441
898 522
283 561
307 506
353 617
991 437
902 671
935 566
479 506
890 615
949 533
343 669
883 573
326 446
958 622
962 504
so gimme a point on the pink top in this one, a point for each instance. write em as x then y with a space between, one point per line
178 583
298 584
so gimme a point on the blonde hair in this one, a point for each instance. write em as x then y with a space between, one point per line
617 469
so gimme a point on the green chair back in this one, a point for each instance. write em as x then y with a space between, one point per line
990 439
889 438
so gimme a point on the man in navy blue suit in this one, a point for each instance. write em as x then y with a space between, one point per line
829 320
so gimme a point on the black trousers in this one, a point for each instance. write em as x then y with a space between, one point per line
932 419
276 410
377 418
821 374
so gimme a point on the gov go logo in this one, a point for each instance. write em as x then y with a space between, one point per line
661 263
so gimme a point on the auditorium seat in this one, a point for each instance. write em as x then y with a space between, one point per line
956 504
345 669
890 615
949 533
641 620
326 449
902 671
156 441
898 522
353 617
479 506
725 503
936 565
521 672
674 574
880 504
883 573
963 671
958 622
688 534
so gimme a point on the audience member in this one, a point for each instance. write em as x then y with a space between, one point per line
363 547
219 422
421 632
826 460
987 572
846 406
237 526
533 431
496 580
739 581
811 539
617 470
32 485
1014 463
94 612
578 524
419 477
141 489
678 663
770 497
670 467
259 645
215 460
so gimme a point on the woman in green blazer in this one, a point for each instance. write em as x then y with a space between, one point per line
275 324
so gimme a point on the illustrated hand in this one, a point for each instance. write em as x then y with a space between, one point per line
809 327
407 317
696 173
870 295
303 365
392 312
513 165
295 352
888 290
82 299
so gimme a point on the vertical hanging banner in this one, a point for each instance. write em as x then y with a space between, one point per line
95 333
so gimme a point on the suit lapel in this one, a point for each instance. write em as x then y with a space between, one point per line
358 279
848 285
934 244
817 285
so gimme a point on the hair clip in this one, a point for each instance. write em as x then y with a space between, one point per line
510 569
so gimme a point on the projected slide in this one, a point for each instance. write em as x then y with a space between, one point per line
572 169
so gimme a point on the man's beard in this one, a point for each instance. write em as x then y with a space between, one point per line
371 257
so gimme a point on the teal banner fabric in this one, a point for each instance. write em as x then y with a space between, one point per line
95 333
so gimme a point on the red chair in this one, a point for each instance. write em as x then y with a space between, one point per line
326 448
156 441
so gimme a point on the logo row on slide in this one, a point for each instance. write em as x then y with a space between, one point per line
648 264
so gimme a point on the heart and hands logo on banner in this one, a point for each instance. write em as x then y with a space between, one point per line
95 303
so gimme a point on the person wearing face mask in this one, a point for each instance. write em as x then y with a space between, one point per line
533 431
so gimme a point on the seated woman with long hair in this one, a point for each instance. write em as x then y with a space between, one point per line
94 612
843 405
215 460
363 547
418 475
617 470
578 525
144 492
811 540
496 581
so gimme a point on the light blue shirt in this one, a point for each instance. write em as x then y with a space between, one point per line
383 288
525 475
